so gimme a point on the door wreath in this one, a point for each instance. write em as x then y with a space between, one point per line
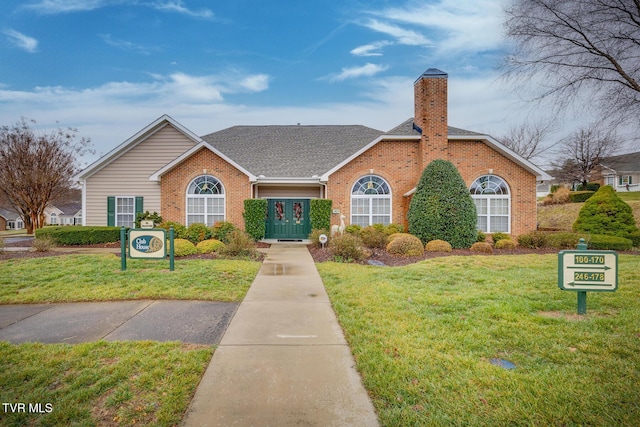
279 211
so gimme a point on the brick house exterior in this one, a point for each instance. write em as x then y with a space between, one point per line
368 174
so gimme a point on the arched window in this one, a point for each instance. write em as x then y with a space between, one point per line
54 218
493 200
205 200
370 201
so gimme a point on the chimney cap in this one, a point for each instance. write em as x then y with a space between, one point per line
433 73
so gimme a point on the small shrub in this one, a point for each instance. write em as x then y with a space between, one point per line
43 244
320 213
505 244
635 238
533 240
374 236
554 188
591 186
346 247
606 213
580 196
394 236
315 237
221 231
604 242
438 246
482 247
183 247
209 245
405 245
496 237
197 232
482 236
239 244
179 230
562 240
393 229
558 197
353 229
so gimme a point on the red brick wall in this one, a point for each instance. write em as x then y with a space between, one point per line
430 104
398 162
174 186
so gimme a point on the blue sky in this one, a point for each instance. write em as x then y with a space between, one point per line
110 67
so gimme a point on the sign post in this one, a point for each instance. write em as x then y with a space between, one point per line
587 271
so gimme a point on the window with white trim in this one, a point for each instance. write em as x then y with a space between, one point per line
125 211
205 201
53 219
370 201
493 200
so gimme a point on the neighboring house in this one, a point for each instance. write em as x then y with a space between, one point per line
370 175
64 214
10 220
621 172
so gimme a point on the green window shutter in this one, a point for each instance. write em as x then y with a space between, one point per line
630 179
139 204
111 211
620 180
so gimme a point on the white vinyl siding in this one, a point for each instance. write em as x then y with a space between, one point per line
129 174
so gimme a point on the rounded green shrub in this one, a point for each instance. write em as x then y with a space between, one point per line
374 236
438 246
533 240
209 245
482 247
482 236
496 237
221 231
405 245
505 244
346 247
605 213
183 247
442 208
396 235
197 232
179 230
353 229
393 229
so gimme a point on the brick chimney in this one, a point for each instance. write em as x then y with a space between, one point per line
430 97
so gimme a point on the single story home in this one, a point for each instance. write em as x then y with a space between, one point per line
621 172
10 220
370 175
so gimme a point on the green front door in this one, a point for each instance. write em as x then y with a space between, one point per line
288 219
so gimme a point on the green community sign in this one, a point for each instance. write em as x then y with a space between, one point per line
587 271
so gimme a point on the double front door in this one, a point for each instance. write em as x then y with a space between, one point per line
288 219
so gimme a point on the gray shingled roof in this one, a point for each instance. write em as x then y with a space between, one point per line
290 151
300 151
623 163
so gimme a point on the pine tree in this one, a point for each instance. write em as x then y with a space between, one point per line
442 208
606 213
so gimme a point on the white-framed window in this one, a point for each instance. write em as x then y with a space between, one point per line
625 180
53 218
610 180
370 201
125 211
205 200
493 201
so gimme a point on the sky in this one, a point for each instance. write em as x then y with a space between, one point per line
111 67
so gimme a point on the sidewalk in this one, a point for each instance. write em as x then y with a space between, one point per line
283 359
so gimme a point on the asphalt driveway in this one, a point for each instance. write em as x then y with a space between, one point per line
197 322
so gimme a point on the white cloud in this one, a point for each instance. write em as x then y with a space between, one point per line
461 25
24 42
256 83
67 6
371 49
179 7
366 70
402 35
127 45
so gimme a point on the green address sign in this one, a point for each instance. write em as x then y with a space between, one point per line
588 271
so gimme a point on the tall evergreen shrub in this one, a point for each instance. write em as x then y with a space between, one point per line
442 208
255 213
606 213
320 213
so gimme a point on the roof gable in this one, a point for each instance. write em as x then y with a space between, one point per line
623 163
132 142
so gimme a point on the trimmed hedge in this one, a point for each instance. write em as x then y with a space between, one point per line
438 246
538 239
183 247
255 213
210 245
613 243
80 235
320 214
580 196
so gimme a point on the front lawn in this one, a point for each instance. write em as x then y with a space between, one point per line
424 337
98 278
100 383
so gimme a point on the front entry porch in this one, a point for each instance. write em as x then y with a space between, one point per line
288 219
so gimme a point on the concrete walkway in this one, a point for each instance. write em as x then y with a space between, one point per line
283 360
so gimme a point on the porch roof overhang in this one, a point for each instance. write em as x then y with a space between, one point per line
261 179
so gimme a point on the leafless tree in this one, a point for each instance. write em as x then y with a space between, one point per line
528 139
578 50
36 168
581 153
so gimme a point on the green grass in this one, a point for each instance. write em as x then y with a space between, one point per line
98 278
627 196
124 383
423 336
